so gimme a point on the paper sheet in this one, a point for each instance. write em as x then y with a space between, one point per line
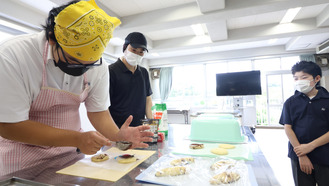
109 170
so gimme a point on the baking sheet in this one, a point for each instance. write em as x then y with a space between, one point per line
109 170
199 173
240 152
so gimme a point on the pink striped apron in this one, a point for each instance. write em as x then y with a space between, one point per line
53 107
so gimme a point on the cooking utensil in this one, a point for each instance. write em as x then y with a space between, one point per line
123 145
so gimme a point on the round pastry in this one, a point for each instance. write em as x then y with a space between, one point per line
226 146
99 157
225 178
196 146
182 161
219 151
126 158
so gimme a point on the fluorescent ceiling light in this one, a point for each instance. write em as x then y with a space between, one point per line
290 15
197 29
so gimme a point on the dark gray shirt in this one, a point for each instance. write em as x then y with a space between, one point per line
128 92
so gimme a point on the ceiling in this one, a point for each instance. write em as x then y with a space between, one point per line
232 29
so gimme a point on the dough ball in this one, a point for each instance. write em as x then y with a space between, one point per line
219 151
99 157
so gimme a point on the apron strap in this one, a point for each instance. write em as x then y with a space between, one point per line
45 55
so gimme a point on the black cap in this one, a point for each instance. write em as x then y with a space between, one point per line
136 40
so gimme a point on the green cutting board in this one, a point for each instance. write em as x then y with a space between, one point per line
240 152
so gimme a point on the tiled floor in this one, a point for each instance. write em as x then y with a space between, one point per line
274 144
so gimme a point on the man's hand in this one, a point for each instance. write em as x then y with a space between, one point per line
91 142
303 149
305 164
136 135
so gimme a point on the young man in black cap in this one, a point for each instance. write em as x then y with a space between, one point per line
130 89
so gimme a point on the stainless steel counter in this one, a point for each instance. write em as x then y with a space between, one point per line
262 170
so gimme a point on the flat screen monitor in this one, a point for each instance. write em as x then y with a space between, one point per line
238 83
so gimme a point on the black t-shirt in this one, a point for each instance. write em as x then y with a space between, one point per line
128 92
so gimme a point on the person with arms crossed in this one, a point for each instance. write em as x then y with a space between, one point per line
305 117
130 89
44 78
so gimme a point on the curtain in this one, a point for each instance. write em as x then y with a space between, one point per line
165 83
307 57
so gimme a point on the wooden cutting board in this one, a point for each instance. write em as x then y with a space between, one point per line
109 170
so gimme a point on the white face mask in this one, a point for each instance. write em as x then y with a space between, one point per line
132 58
303 86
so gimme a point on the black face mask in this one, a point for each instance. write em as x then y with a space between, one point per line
64 66
71 71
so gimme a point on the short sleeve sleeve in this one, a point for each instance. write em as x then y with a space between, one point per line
285 115
147 83
15 98
98 98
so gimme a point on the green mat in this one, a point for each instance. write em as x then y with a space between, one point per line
240 152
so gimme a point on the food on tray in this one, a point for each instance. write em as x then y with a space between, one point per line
226 146
171 171
225 178
196 146
219 164
182 161
99 157
126 158
219 151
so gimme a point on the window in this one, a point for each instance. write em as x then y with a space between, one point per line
238 66
267 64
211 71
212 101
188 87
288 62
194 86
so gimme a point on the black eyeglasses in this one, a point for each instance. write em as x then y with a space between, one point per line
80 65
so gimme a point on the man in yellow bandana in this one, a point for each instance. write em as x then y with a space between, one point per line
44 78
